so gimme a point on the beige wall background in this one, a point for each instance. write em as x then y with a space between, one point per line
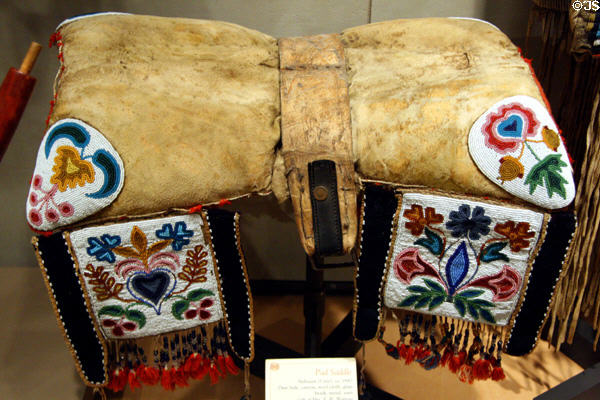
269 234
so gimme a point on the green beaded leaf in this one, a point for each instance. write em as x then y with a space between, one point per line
487 316
113 311
136 316
436 287
417 289
483 303
547 173
198 294
423 300
409 301
436 300
473 311
179 307
470 293
460 306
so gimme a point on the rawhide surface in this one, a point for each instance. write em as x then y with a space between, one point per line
191 106
417 86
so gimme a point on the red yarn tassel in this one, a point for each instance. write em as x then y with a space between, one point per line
149 375
166 380
446 356
179 377
221 364
213 372
133 381
498 374
202 369
192 364
465 373
403 350
457 361
482 369
231 367
422 352
410 356
112 379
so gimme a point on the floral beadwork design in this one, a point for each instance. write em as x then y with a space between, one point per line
42 204
77 173
101 247
138 280
517 144
70 170
508 128
466 259
512 129
179 235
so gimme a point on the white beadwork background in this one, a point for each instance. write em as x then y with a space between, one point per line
396 290
159 315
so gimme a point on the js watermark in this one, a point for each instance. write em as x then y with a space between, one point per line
587 5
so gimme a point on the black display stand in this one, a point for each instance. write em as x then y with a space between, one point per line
339 343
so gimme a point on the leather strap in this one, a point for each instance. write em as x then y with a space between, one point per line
325 208
315 125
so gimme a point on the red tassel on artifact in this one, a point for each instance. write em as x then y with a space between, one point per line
166 380
221 364
410 356
148 375
118 379
178 376
465 373
403 350
200 372
133 381
498 374
192 364
231 367
422 352
213 372
457 361
446 356
497 371
482 369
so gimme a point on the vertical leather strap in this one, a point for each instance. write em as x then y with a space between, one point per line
315 125
325 207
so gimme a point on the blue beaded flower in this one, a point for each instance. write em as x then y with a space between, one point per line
179 234
101 247
462 223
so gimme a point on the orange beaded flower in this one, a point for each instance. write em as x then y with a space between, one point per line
418 220
518 235
70 170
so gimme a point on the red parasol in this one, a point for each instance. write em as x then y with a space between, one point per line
14 94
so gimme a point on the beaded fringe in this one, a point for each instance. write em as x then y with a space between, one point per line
578 114
472 351
171 359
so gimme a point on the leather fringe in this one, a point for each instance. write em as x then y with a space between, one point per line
472 351
171 359
578 114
